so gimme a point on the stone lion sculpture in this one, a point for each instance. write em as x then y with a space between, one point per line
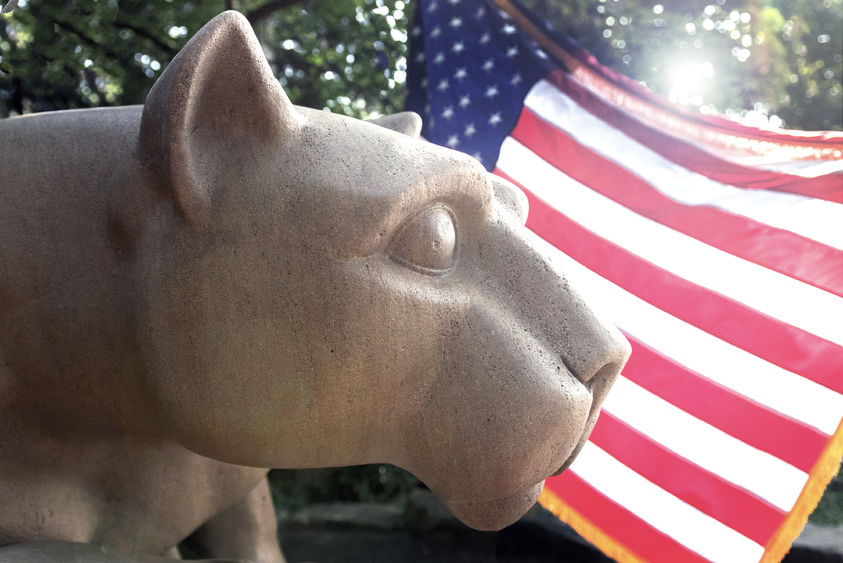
218 282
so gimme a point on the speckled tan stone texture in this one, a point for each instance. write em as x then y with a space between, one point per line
220 281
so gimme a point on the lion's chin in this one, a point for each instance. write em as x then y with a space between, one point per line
495 514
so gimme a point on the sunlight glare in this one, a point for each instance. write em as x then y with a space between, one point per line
689 81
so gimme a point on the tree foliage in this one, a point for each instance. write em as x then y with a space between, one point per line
343 54
348 55
87 53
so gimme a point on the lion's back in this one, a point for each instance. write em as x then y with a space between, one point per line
54 183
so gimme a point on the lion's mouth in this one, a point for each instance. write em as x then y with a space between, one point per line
567 463
598 386
590 421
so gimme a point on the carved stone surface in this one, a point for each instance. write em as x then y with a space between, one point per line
219 281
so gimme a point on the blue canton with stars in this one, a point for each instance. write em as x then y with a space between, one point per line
469 72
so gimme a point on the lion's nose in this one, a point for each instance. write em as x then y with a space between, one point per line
595 350
602 357
572 329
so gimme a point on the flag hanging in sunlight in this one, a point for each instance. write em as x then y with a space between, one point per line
716 248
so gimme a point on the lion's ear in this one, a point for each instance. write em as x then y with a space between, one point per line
216 100
406 122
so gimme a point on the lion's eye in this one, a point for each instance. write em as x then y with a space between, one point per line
427 242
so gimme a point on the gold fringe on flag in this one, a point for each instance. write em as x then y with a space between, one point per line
821 475
583 526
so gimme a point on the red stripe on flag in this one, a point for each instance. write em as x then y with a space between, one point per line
690 156
789 440
711 130
738 509
784 345
615 520
779 250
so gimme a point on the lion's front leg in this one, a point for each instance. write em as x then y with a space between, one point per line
246 530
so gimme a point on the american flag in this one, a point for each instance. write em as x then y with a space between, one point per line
716 248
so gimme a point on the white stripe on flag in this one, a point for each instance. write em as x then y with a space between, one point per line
803 168
816 219
684 523
699 351
712 449
805 306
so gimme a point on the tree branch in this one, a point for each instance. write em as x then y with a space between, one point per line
167 48
93 44
260 13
